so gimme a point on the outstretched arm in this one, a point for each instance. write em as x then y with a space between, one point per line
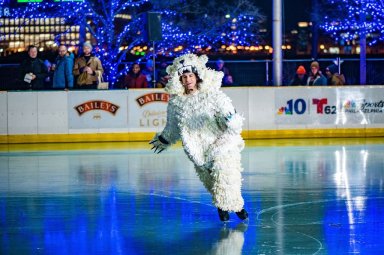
171 132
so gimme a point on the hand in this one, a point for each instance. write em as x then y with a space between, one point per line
159 144
89 70
158 148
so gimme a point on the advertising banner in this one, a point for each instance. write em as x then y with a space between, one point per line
147 109
95 110
329 105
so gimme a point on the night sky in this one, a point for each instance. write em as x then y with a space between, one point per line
294 11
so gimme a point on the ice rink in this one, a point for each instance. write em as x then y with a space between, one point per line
314 196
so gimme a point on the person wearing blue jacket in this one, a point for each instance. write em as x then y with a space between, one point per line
63 66
316 78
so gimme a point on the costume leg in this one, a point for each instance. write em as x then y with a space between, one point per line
205 178
226 179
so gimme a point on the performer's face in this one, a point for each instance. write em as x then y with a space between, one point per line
189 82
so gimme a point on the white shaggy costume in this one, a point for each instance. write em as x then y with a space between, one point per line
209 128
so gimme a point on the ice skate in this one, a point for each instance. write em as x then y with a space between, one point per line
243 214
224 215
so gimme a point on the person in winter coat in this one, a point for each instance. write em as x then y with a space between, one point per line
333 76
316 78
300 77
62 69
135 79
33 70
228 78
89 66
203 117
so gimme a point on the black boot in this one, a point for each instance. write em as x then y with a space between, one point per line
224 215
243 215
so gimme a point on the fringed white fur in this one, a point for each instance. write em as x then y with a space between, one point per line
210 130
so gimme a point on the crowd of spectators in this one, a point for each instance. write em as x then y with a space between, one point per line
84 72
316 78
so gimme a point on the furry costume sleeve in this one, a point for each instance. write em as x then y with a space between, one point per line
171 132
227 117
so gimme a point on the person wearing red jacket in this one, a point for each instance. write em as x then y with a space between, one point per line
135 79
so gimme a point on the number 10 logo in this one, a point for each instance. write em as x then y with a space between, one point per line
297 106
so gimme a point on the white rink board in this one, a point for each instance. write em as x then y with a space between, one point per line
53 112
3 113
260 110
22 113
144 110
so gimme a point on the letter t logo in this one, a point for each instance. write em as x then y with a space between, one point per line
320 104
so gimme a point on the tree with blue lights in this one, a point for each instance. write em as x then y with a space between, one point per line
355 20
213 24
117 26
105 20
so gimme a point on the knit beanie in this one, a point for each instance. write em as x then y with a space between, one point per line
333 69
315 64
301 70
87 44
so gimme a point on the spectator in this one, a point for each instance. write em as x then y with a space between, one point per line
163 76
135 79
87 68
333 76
33 70
150 73
62 69
227 79
316 78
300 77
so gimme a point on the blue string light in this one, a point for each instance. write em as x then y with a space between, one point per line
351 19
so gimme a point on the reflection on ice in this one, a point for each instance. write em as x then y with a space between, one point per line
231 240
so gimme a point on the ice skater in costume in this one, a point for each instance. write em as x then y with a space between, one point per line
203 117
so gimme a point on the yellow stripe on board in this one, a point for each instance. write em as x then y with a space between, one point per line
146 136
74 138
314 133
100 146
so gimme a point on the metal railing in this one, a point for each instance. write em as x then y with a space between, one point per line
259 72
252 72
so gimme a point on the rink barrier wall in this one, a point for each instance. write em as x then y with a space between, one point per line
135 115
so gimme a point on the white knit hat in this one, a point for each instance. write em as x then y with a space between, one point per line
87 44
